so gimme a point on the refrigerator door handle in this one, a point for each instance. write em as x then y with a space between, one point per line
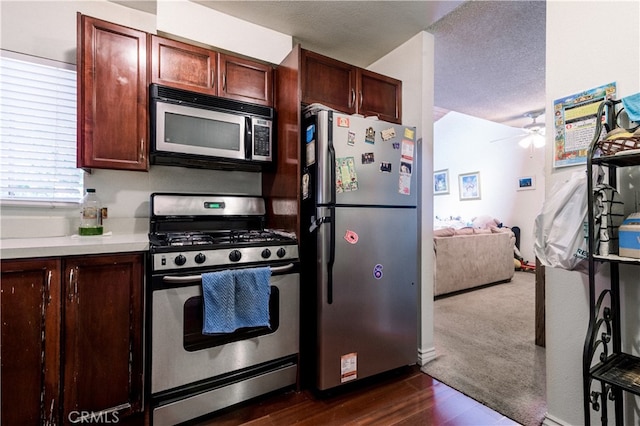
326 253
332 159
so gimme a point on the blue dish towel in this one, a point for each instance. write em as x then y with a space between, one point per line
632 106
235 299
218 299
252 297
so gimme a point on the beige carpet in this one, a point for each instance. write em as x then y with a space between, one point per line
485 348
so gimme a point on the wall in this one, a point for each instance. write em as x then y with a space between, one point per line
413 64
48 29
463 144
594 42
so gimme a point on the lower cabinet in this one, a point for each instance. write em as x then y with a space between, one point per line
72 339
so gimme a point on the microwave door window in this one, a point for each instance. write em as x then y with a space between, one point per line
203 136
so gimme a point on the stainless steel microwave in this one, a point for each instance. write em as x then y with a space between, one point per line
191 129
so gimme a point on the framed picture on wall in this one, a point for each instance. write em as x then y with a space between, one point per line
441 182
526 183
469 186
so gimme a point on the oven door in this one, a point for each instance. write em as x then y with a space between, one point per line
181 355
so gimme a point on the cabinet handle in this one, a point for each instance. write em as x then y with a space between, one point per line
213 79
50 420
49 275
353 99
224 82
141 156
70 290
361 97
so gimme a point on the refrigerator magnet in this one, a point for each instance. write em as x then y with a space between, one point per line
404 184
370 136
351 139
405 167
407 150
305 186
409 133
388 134
311 152
396 145
385 167
351 237
346 178
367 158
377 271
343 121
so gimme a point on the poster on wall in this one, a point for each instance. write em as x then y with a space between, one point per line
575 124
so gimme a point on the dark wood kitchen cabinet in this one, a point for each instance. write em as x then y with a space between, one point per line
349 89
30 350
103 334
112 96
183 66
245 80
188 67
302 78
72 339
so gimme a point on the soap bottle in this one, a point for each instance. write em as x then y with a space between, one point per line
90 214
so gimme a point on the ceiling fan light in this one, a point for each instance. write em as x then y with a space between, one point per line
525 142
538 141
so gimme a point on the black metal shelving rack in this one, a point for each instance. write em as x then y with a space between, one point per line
615 372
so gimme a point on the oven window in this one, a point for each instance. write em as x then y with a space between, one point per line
203 132
194 340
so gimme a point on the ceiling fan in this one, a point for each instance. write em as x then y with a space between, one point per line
532 134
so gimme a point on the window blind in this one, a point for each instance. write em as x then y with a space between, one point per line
38 131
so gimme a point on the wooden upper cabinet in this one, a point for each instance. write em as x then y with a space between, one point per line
112 96
350 89
245 80
328 81
30 350
183 66
380 96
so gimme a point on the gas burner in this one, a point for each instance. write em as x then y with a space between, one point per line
188 239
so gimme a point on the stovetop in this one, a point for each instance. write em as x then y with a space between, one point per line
219 238
206 231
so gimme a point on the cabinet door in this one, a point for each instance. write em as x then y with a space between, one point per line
245 80
183 66
380 96
103 334
329 82
30 311
112 96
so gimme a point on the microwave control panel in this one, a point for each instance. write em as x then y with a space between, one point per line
262 140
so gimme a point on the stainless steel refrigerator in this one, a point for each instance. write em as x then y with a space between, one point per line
359 247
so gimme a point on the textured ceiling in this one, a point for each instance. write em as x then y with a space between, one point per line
489 55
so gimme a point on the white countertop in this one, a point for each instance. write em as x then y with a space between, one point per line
19 248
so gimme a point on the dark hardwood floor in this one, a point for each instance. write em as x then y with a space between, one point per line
406 397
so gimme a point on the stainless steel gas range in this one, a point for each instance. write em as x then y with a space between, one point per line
191 373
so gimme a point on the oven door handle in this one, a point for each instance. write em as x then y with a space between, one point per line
197 278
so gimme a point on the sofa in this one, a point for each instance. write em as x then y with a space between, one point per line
467 258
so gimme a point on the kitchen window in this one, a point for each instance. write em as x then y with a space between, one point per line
38 131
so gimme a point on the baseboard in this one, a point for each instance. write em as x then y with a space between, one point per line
426 355
553 421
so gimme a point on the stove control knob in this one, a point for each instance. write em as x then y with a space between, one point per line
180 260
200 258
281 252
235 255
266 253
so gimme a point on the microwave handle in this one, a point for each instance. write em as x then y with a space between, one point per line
248 138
